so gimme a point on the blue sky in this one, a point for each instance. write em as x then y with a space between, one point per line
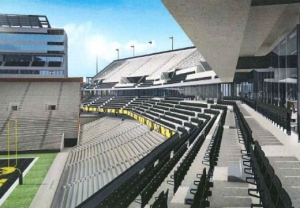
98 27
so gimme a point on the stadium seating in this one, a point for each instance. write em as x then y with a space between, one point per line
97 101
144 71
268 186
39 126
279 115
193 60
261 174
179 78
162 200
161 111
118 102
188 118
202 192
108 147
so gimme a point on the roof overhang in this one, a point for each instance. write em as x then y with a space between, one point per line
225 30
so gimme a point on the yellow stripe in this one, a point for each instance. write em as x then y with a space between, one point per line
162 130
168 134
2 181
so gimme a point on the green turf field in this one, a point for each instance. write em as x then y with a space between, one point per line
23 195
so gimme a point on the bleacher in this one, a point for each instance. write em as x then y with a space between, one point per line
119 102
47 112
96 101
196 148
168 67
108 147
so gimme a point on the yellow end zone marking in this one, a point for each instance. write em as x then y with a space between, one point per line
2 181
7 170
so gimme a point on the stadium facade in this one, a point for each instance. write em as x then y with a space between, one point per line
213 125
30 48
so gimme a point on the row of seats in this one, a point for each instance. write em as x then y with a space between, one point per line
186 163
202 192
146 182
182 167
96 101
244 128
161 201
268 186
280 115
108 147
118 102
173 112
268 189
179 174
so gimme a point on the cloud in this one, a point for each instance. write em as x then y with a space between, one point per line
85 42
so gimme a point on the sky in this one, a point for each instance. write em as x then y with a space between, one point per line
99 27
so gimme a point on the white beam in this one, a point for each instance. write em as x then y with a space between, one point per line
216 27
260 23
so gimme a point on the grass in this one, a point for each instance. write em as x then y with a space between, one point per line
23 195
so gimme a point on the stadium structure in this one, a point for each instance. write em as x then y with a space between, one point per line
30 48
215 125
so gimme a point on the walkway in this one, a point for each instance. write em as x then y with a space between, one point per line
227 193
47 190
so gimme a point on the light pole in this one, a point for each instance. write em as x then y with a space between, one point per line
172 38
132 50
118 51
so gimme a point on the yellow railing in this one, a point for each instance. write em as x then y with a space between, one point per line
157 127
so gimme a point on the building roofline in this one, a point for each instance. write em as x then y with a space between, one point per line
156 53
71 79
24 21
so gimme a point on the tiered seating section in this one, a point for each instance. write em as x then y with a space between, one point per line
148 70
39 128
188 118
175 114
108 147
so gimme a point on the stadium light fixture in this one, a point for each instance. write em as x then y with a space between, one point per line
132 50
118 51
172 38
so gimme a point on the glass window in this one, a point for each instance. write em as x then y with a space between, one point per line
31 37
35 48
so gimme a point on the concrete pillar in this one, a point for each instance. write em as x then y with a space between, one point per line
232 89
